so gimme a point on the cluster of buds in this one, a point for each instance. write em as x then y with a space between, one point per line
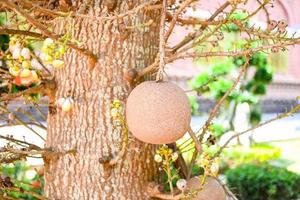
19 64
52 53
210 166
117 112
165 155
280 25
66 104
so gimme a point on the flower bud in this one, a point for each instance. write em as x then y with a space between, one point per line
67 105
36 64
174 156
16 53
26 81
25 73
25 53
60 102
11 116
114 112
15 71
26 64
181 184
158 158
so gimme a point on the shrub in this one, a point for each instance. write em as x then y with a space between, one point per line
263 182
259 153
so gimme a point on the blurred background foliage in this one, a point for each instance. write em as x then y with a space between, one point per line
24 177
263 182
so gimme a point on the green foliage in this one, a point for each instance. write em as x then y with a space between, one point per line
217 130
255 116
213 78
263 182
194 105
219 78
219 87
258 153
197 170
18 173
4 41
235 16
175 178
247 97
2 18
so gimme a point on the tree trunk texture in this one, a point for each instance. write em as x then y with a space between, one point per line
88 128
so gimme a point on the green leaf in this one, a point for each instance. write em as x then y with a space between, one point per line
217 129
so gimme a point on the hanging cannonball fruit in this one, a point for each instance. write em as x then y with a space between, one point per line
158 112
211 190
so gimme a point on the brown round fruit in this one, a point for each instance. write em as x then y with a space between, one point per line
212 190
158 112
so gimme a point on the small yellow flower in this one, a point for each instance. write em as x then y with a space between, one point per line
26 64
117 103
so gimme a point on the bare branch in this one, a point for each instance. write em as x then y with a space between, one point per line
195 34
16 141
21 32
215 110
294 110
175 17
195 139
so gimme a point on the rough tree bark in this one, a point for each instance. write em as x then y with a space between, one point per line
88 128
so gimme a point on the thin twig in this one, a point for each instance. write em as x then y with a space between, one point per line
294 110
21 32
195 34
215 110
175 17
11 139
195 139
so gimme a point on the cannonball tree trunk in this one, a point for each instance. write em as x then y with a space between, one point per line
88 128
